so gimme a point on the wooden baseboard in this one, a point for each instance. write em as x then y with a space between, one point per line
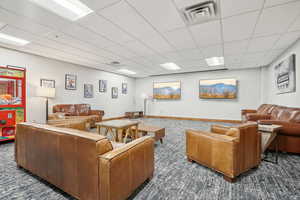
113 118
195 119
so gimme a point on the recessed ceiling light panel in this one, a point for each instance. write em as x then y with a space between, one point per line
215 61
8 39
126 71
170 66
69 9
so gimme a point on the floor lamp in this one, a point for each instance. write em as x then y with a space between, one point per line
47 93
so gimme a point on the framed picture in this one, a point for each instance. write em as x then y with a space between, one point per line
70 82
114 92
124 88
285 75
102 85
218 89
167 90
88 91
46 83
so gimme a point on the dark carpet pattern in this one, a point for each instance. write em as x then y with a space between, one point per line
174 177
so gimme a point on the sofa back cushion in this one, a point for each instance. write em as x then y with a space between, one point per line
83 109
67 158
68 109
265 109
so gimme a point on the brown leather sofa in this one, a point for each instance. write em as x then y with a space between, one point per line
79 124
78 111
230 151
252 115
83 164
289 134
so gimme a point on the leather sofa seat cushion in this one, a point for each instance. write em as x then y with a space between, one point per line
83 109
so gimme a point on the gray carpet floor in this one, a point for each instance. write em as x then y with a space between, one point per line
174 177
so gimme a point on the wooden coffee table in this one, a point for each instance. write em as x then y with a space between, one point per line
117 127
269 134
159 133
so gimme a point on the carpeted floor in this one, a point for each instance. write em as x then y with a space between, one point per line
174 177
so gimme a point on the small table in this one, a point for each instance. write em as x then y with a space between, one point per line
159 133
120 126
134 114
269 134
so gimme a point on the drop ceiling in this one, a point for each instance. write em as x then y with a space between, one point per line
142 34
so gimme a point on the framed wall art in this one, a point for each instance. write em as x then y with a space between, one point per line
124 88
46 83
102 85
218 89
167 90
285 75
88 91
114 92
70 82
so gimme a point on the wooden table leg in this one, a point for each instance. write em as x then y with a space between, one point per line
99 130
126 135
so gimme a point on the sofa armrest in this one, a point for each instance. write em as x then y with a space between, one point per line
288 128
212 151
255 117
97 112
124 169
219 129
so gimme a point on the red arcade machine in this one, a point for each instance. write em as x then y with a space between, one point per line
12 100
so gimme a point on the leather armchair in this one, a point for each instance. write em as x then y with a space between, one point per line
228 150
83 164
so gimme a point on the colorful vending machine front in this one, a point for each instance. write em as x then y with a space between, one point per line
12 100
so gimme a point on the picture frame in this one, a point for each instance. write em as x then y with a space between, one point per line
167 90
114 92
226 88
88 91
70 82
124 88
102 85
47 83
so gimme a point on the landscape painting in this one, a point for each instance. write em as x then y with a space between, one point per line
218 89
167 90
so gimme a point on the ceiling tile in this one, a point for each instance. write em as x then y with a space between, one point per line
207 34
191 54
287 40
239 27
86 35
253 58
29 10
212 51
158 44
23 23
103 27
277 19
262 43
166 16
128 19
296 25
139 48
2 25
121 51
233 7
180 39
235 48
269 3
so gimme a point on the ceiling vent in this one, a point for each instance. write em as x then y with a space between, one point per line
199 13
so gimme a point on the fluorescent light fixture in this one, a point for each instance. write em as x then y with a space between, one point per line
69 9
215 61
126 71
170 66
8 39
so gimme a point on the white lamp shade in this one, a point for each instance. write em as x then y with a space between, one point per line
45 92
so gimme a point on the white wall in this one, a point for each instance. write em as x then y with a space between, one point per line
40 67
249 95
269 86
